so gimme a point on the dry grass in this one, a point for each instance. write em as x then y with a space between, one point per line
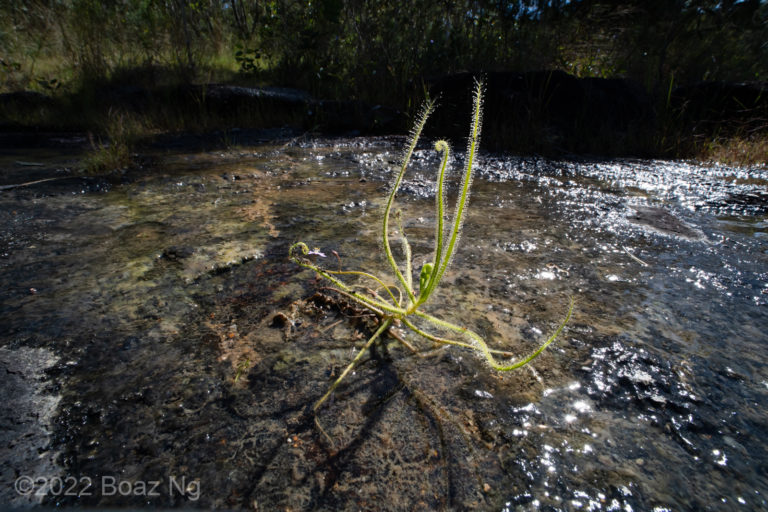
742 151
116 151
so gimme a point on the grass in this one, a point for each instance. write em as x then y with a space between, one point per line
400 304
160 98
740 151
117 150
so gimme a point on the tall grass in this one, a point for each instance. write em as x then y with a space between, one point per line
115 149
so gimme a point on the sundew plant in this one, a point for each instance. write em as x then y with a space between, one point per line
400 304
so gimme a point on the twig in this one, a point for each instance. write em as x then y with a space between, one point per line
634 257
17 185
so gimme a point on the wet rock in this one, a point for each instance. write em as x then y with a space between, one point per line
279 321
625 376
25 421
266 107
176 253
753 202
664 221
149 383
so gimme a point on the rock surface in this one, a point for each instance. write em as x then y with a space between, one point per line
25 415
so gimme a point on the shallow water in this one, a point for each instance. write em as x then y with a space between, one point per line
157 333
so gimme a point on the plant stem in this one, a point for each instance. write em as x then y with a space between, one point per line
474 140
382 328
443 147
414 138
483 347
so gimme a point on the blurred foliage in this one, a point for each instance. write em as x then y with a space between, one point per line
379 50
68 62
115 151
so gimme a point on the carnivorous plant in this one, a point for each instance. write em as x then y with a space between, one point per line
401 303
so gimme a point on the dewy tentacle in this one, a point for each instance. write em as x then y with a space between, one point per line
414 138
408 255
481 346
446 341
443 147
340 284
461 203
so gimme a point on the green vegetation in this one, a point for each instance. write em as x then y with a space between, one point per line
401 303
116 152
746 151
373 51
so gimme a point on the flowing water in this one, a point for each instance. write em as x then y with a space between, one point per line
160 349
